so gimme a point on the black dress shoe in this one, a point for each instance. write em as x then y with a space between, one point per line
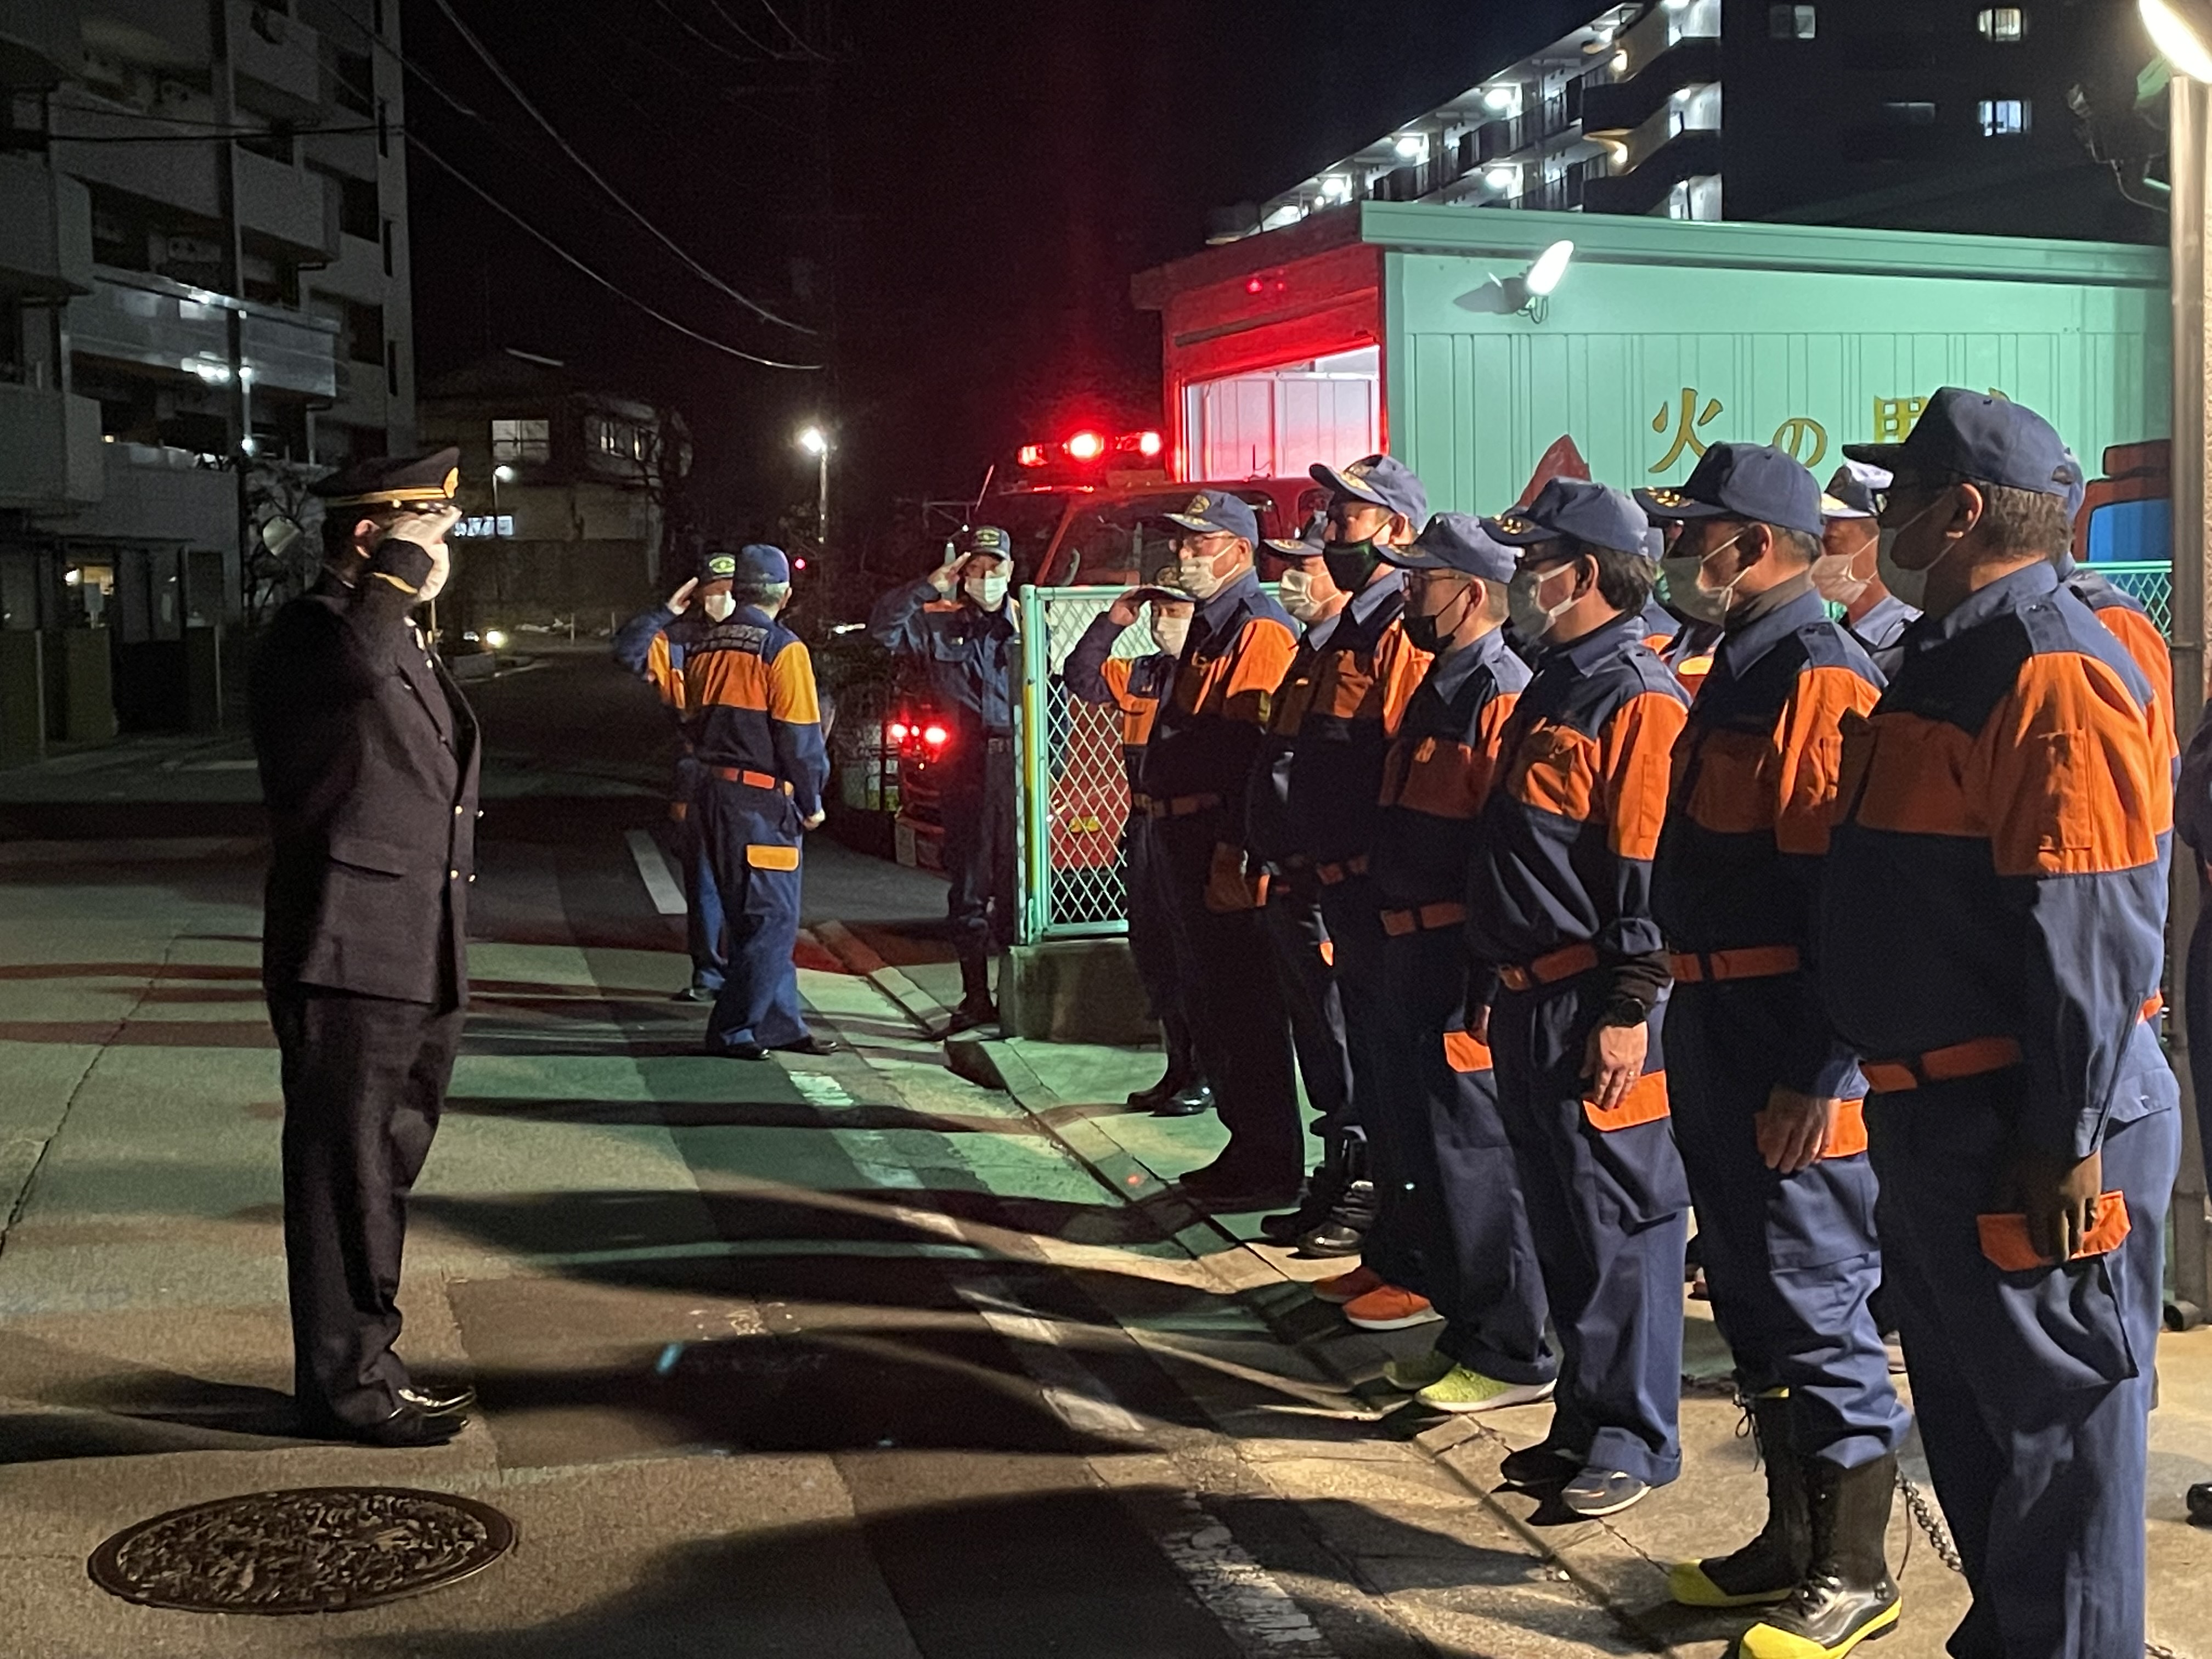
440 1402
810 1044
406 1426
1193 1102
2200 1503
1165 1088
740 1051
973 1011
1215 1188
695 993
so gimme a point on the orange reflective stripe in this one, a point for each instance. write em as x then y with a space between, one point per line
2070 781
679 810
1850 1138
2005 1240
792 698
2154 1005
1464 1053
1256 665
660 669
758 780
770 856
1960 1059
1550 969
1399 923
1334 875
1329 953
1754 962
2139 636
1644 1102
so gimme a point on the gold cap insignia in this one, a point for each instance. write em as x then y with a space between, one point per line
1200 504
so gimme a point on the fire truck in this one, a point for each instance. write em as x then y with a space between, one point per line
1083 511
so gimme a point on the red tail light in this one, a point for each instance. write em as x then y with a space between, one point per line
934 736
898 730
1148 444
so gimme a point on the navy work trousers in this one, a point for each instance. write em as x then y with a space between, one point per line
1299 941
2032 1389
364 1081
1792 1260
1454 1202
1152 948
702 899
753 837
976 804
1609 1209
1236 1004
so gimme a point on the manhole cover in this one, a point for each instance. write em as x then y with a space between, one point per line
316 1549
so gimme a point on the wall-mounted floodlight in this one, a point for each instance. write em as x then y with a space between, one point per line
1527 293
2182 30
1551 265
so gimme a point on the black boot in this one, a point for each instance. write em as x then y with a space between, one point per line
1848 1596
1343 1228
1767 1569
1313 1209
976 1008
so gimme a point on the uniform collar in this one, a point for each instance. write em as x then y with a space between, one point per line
2001 597
1239 589
1594 648
1886 606
1741 648
1373 597
1455 668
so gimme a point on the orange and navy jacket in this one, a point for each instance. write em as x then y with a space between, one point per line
1211 724
1997 871
1564 853
1748 809
2126 621
750 703
1880 631
1439 773
1659 626
970 653
1335 713
1690 652
651 645
1131 685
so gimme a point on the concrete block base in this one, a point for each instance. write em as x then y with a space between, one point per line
1077 990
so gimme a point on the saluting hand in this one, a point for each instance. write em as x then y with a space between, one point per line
946 576
428 531
1795 1129
1123 610
680 601
1612 1061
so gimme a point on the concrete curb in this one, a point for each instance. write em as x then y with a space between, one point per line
916 1004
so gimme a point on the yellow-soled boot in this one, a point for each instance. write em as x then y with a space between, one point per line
1767 1569
1848 1596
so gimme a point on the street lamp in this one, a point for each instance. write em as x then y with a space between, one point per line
815 442
2182 30
500 475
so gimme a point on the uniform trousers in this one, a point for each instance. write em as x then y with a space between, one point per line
1791 1260
364 1081
1301 951
976 804
2032 1389
1454 1205
1236 1005
753 837
1152 948
1609 1209
702 899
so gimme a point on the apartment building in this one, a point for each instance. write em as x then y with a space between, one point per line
204 298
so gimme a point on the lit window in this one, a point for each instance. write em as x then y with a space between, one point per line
522 440
2004 117
1789 23
2006 23
1909 114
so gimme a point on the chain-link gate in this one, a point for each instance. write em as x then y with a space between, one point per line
2150 586
1074 793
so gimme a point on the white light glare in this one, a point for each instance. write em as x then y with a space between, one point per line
1551 265
494 638
1335 186
1500 178
1498 98
2187 50
1411 145
504 473
814 441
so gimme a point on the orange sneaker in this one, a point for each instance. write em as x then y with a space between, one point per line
1340 1288
1390 1308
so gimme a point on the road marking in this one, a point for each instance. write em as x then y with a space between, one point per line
645 852
1261 1616
1078 1398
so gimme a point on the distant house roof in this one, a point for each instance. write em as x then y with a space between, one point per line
525 376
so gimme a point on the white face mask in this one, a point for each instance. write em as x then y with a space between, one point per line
1294 588
719 607
1910 585
990 591
1196 575
1835 577
1524 599
1170 632
1699 604
1723 597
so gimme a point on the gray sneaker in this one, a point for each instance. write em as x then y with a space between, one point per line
1597 1491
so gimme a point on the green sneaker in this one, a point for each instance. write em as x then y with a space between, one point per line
1461 1389
1417 1372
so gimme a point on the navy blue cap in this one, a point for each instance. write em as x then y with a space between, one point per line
1984 439
1589 512
1219 510
1850 492
1310 542
991 542
1755 481
757 562
1380 481
1453 541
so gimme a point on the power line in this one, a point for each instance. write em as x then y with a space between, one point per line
799 40
659 316
704 39
741 31
613 195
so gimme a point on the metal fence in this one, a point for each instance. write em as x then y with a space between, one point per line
2150 585
1074 793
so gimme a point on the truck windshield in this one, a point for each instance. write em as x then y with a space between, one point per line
1124 541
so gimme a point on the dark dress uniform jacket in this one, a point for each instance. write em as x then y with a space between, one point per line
368 757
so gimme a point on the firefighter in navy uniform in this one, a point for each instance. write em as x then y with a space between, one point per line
1766 1099
651 645
754 717
1991 942
1133 687
368 756
1848 574
1203 746
1559 913
969 645
1454 1202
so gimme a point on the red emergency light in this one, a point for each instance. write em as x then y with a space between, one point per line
1088 446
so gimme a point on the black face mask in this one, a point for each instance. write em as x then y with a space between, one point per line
1424 633
1350 564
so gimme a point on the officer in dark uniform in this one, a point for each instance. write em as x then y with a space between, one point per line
368 754
652 646
755 718
957 622
1134 686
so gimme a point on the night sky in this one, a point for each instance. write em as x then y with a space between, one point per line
956 196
